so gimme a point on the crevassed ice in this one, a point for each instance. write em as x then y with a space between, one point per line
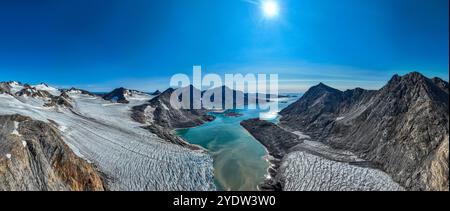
302 171
131 157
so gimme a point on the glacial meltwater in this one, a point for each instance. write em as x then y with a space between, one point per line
239 160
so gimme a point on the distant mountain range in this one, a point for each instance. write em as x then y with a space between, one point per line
401 129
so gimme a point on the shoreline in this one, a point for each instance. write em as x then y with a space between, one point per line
264 132
268 158
260 157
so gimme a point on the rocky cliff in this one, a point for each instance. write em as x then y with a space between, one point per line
33 156
4 88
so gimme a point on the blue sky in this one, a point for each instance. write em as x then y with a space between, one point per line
102 44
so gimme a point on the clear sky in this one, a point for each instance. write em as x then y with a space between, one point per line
102 44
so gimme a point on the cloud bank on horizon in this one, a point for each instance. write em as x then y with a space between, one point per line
99 45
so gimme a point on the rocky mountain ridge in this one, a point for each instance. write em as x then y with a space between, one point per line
403 128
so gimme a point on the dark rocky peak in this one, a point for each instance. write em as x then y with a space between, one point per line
168 91
410 79
74 90
44 84
136 92
325 88
319 99
157 92
223 90
321 90
63 100
13 83
159 111
5 88
30 91
166 95
65 95
121 90
118 95
414 86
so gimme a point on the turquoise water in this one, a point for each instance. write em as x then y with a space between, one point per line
239 159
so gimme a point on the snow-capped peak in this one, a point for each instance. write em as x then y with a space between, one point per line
14 83
73 91
44 87
15 86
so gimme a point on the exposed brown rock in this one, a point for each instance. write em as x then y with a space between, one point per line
36 158
4 88
62 100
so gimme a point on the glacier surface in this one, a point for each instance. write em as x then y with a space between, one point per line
130 157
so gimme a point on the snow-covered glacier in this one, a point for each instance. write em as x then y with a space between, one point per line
130 157
303 171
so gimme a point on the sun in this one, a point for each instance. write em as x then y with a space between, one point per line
270 8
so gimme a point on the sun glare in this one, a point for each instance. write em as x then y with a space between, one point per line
270 8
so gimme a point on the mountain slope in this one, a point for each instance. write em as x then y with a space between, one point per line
321 106
34 157
4 88
118 95
159 111
403 127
